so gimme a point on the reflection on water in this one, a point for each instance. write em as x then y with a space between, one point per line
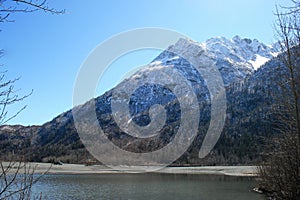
146 186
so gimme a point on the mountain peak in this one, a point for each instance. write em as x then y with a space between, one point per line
246 45
242 50
247 51
235 58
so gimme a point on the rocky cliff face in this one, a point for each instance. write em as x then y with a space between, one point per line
249 71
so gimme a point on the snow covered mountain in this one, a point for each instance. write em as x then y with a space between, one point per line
244 51
235 58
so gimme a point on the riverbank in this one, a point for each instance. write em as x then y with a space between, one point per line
40 168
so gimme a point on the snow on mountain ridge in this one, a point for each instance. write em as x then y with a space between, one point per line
243 50
237 49
235 58
259 61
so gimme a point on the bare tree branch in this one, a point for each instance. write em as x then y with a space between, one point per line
24 6
9 96
40 6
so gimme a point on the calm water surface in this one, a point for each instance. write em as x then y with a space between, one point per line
146 186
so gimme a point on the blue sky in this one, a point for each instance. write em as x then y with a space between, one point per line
46 50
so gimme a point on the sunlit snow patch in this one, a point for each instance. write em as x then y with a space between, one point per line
259 61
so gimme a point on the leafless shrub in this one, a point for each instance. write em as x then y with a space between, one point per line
17 179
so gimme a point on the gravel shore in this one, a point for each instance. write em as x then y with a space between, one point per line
101 169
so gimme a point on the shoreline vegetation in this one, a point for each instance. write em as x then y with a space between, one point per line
48 168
